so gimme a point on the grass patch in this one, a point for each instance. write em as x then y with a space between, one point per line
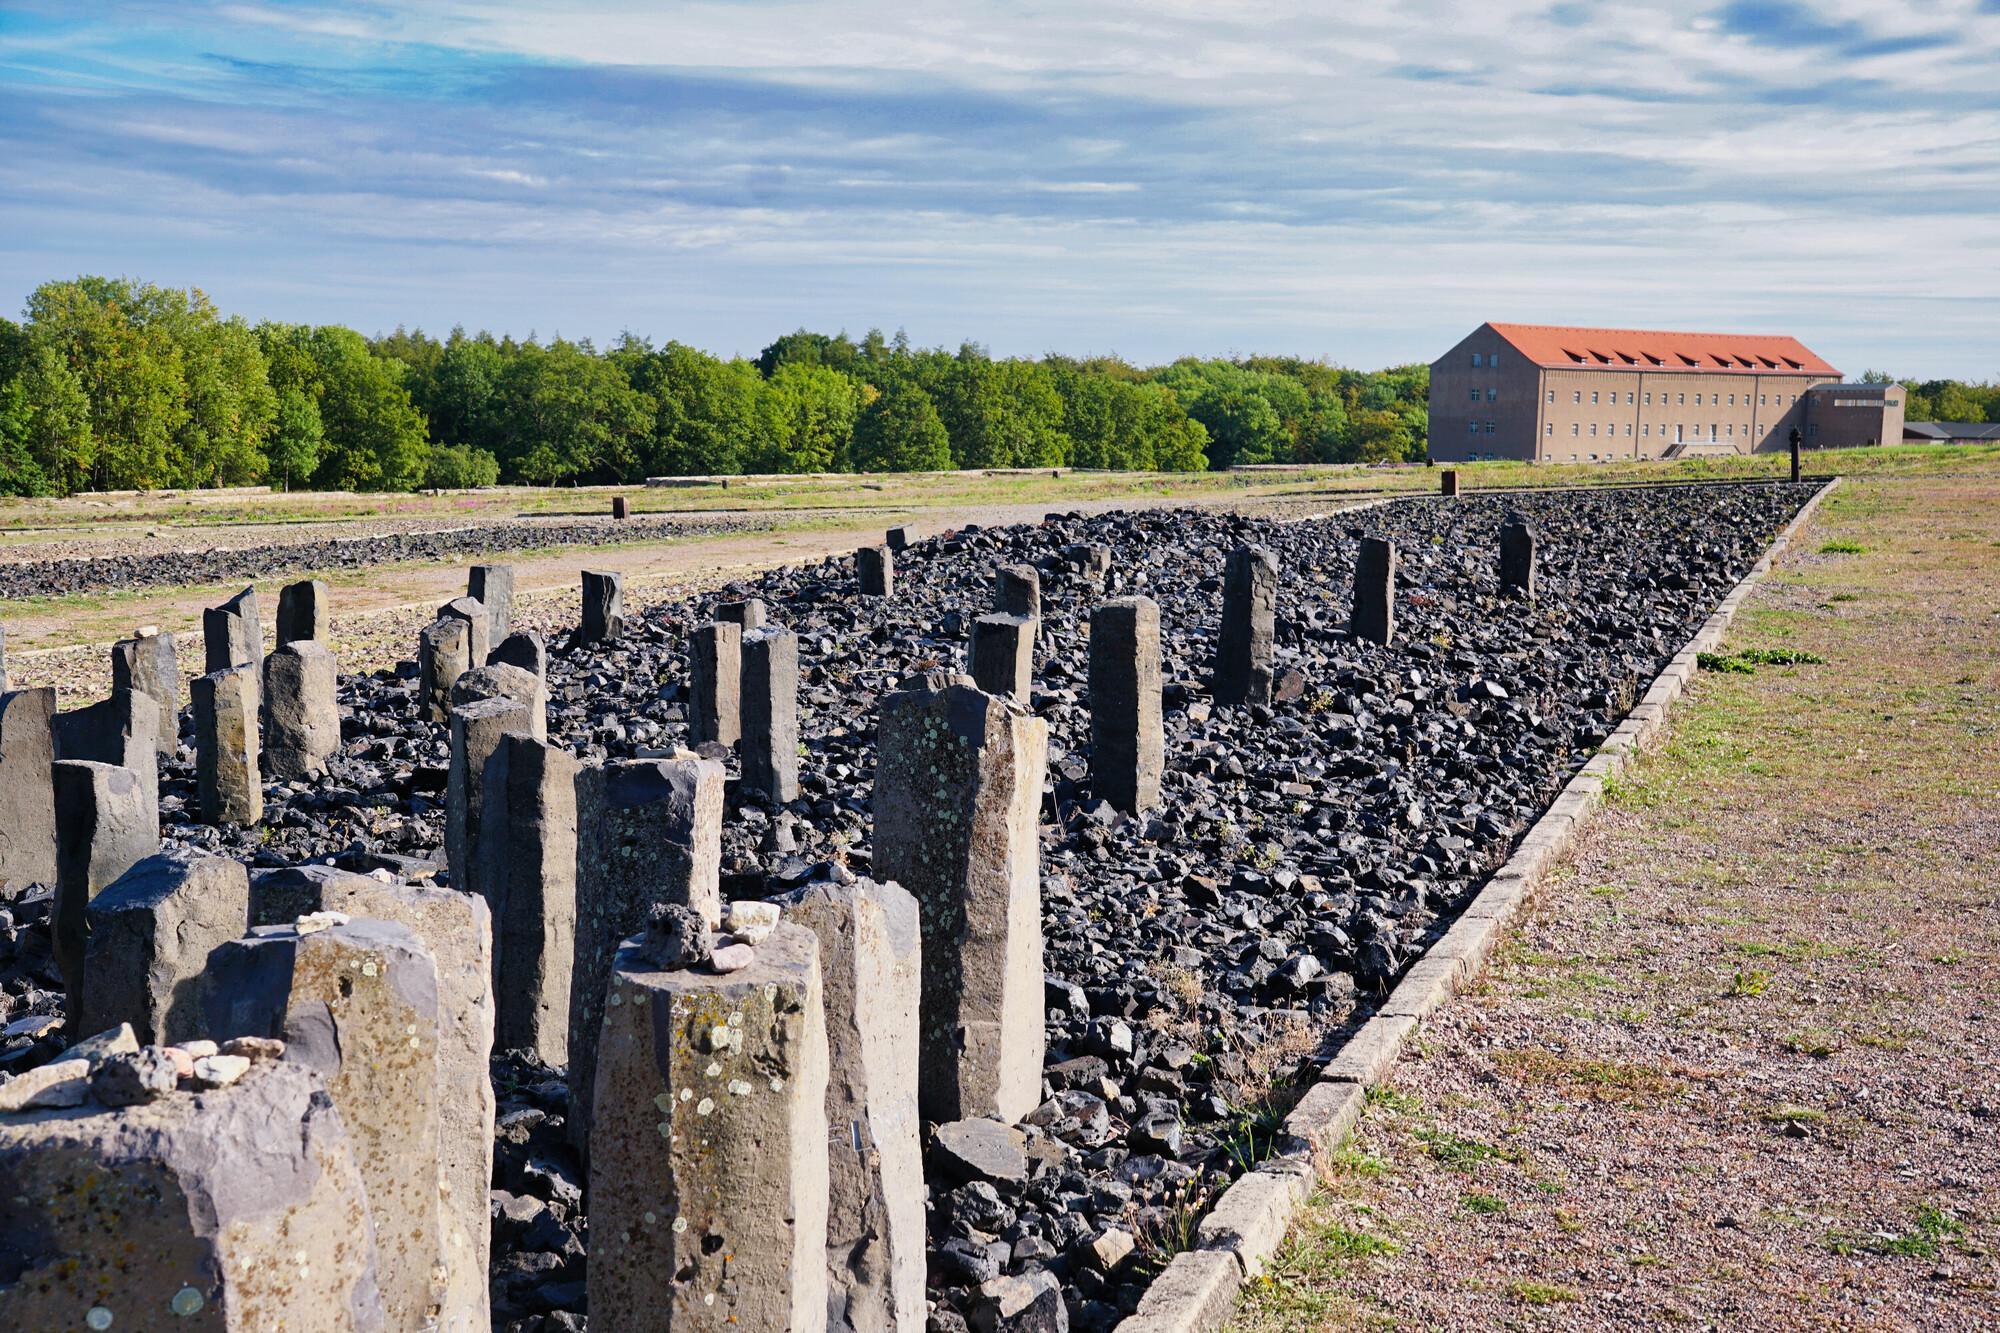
1785 1113
1483 1204
1529 1292
1842 546
1458 1152
1389 1099
1932 1229
1603 1080
1816 1042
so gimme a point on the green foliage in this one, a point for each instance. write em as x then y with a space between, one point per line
901 432
297 436
1842 546
456 467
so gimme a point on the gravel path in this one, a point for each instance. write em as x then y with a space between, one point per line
1734 1070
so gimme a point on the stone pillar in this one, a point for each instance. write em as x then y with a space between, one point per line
527 870
748 613
1243 654
358 1004
603 606
150 932
1517 557
27 790
1092 560
1127 741
524 648
715 682
150 664
1374 617
106 822
457 930
229 788
304 612
238 1209
647 831
444 653
958 786
708 1164
770 743
499 680
476 729
870 973
619 509
4 685
232 635
876 568
123 730
492 586
479 639
898 539
1017 591
301 709
1002 655
1448 481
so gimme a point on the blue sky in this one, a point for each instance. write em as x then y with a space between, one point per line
1153 178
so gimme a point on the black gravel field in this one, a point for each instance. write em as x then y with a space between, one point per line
226 564
1303 855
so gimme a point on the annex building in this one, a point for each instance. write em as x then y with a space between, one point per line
1550 394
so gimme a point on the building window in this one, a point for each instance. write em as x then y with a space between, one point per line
1475 358
1684 400
1628 398
1593 430
1576 397
1761 399
1732 400
1475 395
1628 428
1490 427
1472 428
1492 395
1550 429
1552 395
1593 395
1813 429
1575 429
1732 430
1646 429
1649 397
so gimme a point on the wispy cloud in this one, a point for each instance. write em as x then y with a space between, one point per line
1159 177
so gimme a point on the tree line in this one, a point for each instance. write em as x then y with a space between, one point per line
1944 400
112 384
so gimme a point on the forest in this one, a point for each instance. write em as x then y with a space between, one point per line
116 384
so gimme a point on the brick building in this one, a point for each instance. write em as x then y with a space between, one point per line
1569 395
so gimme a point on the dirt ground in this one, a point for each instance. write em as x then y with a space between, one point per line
1735 1068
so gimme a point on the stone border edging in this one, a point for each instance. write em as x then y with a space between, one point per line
1196 1291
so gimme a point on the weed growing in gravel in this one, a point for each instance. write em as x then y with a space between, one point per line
1934 1228
1344 1243
1253 1134
1458 1152
1785 1113
1723 662
1350 1160
1750 981
1169 1230
1780 657
1841 546
1815 1042
1483 1204
1389 1099
1530 1292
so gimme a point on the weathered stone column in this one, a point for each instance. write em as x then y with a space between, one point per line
871 976
1374 617
444 653
898 539
708 1164
524 648
238 1209
476 729
1448 481
499 680
150 664
770 742
1243 654
457 929
229 788
122 730
1091 559
27 790
748 613
1127 740
492 586
603 606
304 612
958 786
648 831
150 934
875 566
1517 557
301 709
1002 654
620 510
4 684
479 640
357 1003
527 870
106 822
1017 591
232 635
715 682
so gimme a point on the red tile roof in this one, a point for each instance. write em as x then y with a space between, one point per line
1649 349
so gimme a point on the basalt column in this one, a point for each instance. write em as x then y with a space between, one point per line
301 709
1127 739
1017 591
527 870
770 742
1003 655
107 820
303 612
27 790
715 681
444 653
151 933
958 786
492 586
1517 558
603 606
476 730
1374 617
1243 654
228 787
150 664
875 566
648 831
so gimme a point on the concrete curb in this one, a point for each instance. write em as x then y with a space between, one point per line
1196 1292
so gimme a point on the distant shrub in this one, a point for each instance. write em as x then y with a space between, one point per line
455 467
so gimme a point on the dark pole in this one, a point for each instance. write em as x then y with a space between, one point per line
1794 437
